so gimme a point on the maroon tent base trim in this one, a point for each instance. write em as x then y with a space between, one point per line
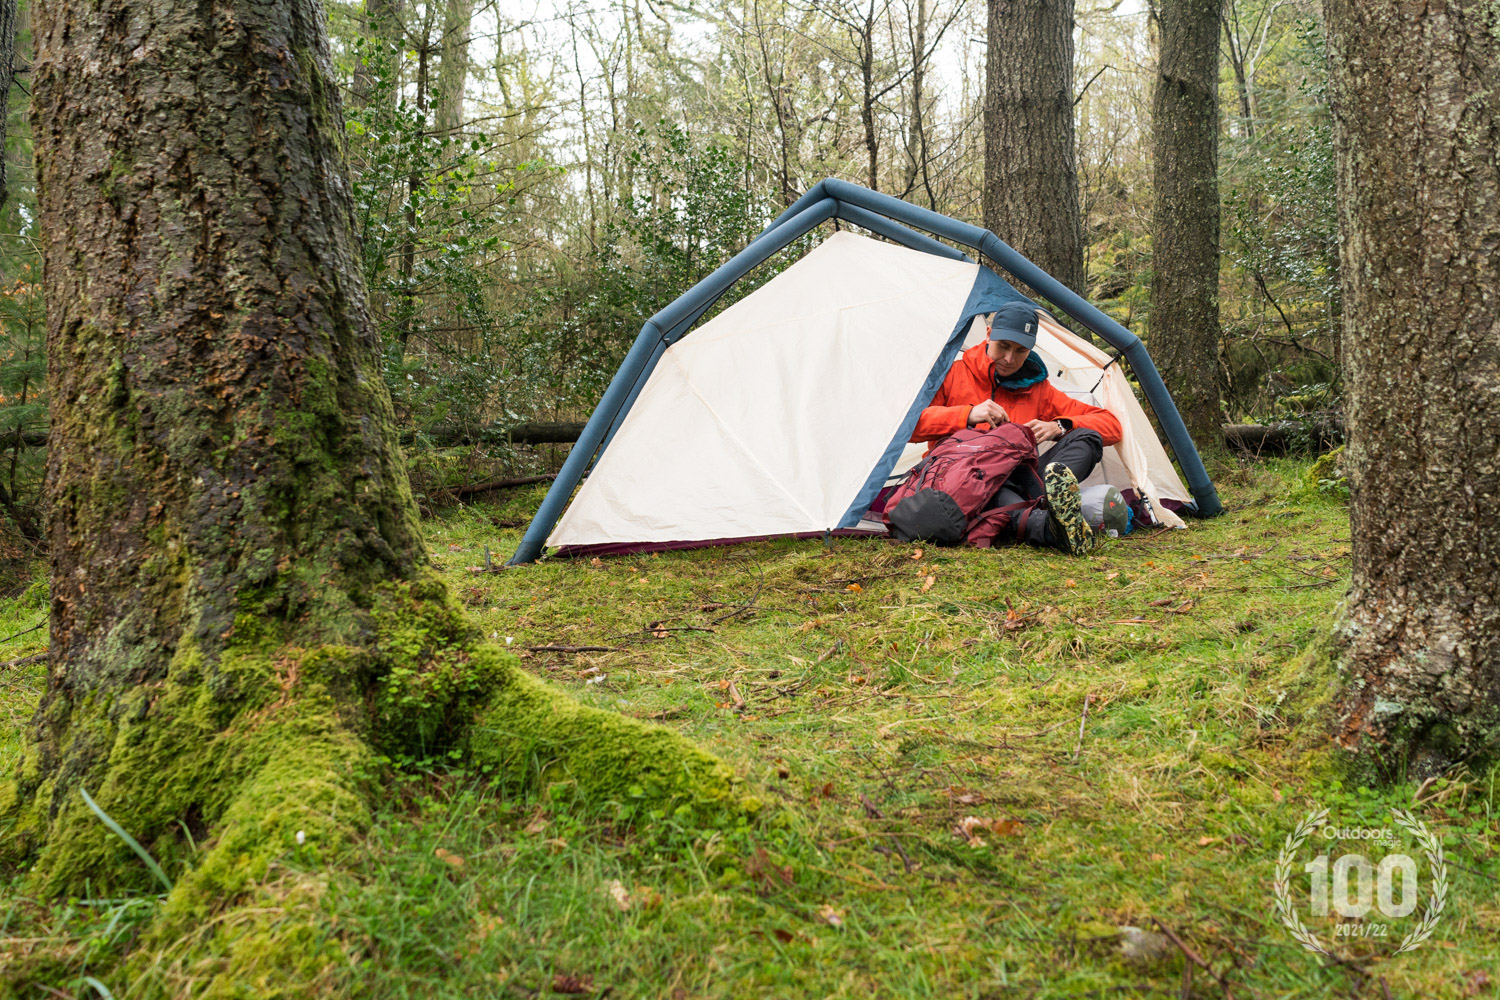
639 548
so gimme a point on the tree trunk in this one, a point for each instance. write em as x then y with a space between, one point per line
1417 145
1184 332
7 75
1030 159
382 30
242 615
1237 63
453 73
867 101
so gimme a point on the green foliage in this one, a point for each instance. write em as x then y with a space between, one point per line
431 210
686 213
1282 238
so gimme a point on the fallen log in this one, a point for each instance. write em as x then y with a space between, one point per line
1284 436
26 439
562 432
496 484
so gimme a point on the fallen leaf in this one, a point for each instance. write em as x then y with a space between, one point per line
557 844
1475 981
615 890
455 547
916 553
927 583
855 588
966 828
784 936
446 855
830 916
1111 576
782 772
1205 841
1069 583
538 823
563 982
643 580
596 561
1008 827
827 790
1158 857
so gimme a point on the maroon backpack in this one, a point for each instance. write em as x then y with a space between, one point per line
943 499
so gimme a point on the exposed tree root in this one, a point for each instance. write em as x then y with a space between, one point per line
250 783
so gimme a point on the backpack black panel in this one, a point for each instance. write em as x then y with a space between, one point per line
928 516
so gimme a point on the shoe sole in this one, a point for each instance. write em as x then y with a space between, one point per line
1065 509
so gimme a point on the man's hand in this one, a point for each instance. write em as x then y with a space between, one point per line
988 412
1045 430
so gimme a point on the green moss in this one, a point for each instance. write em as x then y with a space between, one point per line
243 775
1327 474
534 731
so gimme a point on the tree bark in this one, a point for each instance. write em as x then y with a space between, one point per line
453 72
1030 159
1184 331
242 612
1417 145
7 76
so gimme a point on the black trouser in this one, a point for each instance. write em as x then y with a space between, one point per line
1080 449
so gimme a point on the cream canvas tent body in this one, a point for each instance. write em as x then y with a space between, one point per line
788 412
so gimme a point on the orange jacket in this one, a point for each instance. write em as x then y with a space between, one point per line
971 381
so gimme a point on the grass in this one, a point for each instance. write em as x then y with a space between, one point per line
1117 734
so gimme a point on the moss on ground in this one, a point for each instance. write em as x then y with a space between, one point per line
263 761
1134 734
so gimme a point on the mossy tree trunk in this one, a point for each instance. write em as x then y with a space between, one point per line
1030 154
242 615
1417 138
1185 212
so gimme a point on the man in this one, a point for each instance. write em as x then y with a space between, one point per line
1004 381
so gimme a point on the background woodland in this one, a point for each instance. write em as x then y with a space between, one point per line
533 181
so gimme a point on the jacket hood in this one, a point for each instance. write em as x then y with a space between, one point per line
1033 370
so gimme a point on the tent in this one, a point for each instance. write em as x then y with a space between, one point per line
787 412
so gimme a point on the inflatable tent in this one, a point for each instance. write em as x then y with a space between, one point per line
787 412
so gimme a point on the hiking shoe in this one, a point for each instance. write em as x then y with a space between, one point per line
1065 523
1104 508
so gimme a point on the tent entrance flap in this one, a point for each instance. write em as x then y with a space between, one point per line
988 293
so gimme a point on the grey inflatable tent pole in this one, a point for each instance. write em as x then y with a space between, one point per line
644 351
850 213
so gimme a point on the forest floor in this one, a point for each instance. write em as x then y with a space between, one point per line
977 768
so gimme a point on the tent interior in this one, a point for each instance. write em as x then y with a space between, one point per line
790 410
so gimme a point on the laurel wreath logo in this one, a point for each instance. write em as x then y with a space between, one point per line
1431 846
1282 884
